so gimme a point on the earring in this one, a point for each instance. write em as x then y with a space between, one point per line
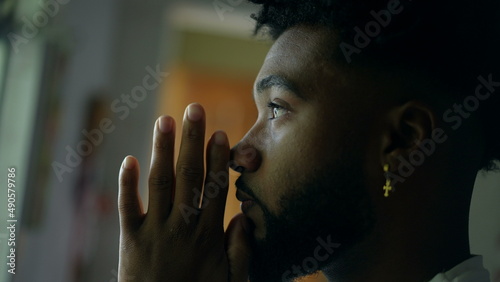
387 186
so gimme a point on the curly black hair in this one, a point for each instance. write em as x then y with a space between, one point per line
454 42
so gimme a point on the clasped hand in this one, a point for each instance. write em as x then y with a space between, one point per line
181 237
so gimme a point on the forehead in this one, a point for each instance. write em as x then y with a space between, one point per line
302 39
303 55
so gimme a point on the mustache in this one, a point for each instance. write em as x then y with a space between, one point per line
242 185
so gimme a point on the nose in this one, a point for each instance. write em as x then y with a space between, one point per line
245 158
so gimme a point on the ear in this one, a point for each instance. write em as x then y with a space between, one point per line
408 126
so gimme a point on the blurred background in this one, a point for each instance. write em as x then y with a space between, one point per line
81 85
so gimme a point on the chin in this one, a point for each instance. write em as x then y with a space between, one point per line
256 216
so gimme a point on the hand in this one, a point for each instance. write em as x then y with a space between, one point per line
178 239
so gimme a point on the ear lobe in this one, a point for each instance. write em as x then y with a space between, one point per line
409 125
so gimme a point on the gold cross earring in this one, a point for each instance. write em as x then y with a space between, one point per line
387 186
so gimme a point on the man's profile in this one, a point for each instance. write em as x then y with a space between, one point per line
374 119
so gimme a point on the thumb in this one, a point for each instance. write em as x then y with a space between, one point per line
238 247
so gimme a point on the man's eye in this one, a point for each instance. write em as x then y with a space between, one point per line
276 110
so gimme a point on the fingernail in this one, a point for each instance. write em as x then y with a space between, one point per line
220 138
165 124
128 163
194 112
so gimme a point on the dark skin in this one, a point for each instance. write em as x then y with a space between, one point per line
418 233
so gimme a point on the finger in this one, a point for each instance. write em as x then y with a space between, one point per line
189 170
129 201
217 180
161 176
238 247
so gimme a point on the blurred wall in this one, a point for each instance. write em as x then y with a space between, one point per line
89 33
110 45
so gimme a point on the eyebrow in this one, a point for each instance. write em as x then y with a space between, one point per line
277 81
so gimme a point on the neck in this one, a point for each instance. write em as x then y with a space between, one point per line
415 244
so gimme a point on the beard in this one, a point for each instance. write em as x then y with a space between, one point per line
331 212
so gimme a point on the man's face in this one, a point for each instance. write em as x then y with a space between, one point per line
302 161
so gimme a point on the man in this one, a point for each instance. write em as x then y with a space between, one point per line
374 118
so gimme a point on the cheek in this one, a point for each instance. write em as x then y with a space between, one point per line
290 161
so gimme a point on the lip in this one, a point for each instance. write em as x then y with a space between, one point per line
247 202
